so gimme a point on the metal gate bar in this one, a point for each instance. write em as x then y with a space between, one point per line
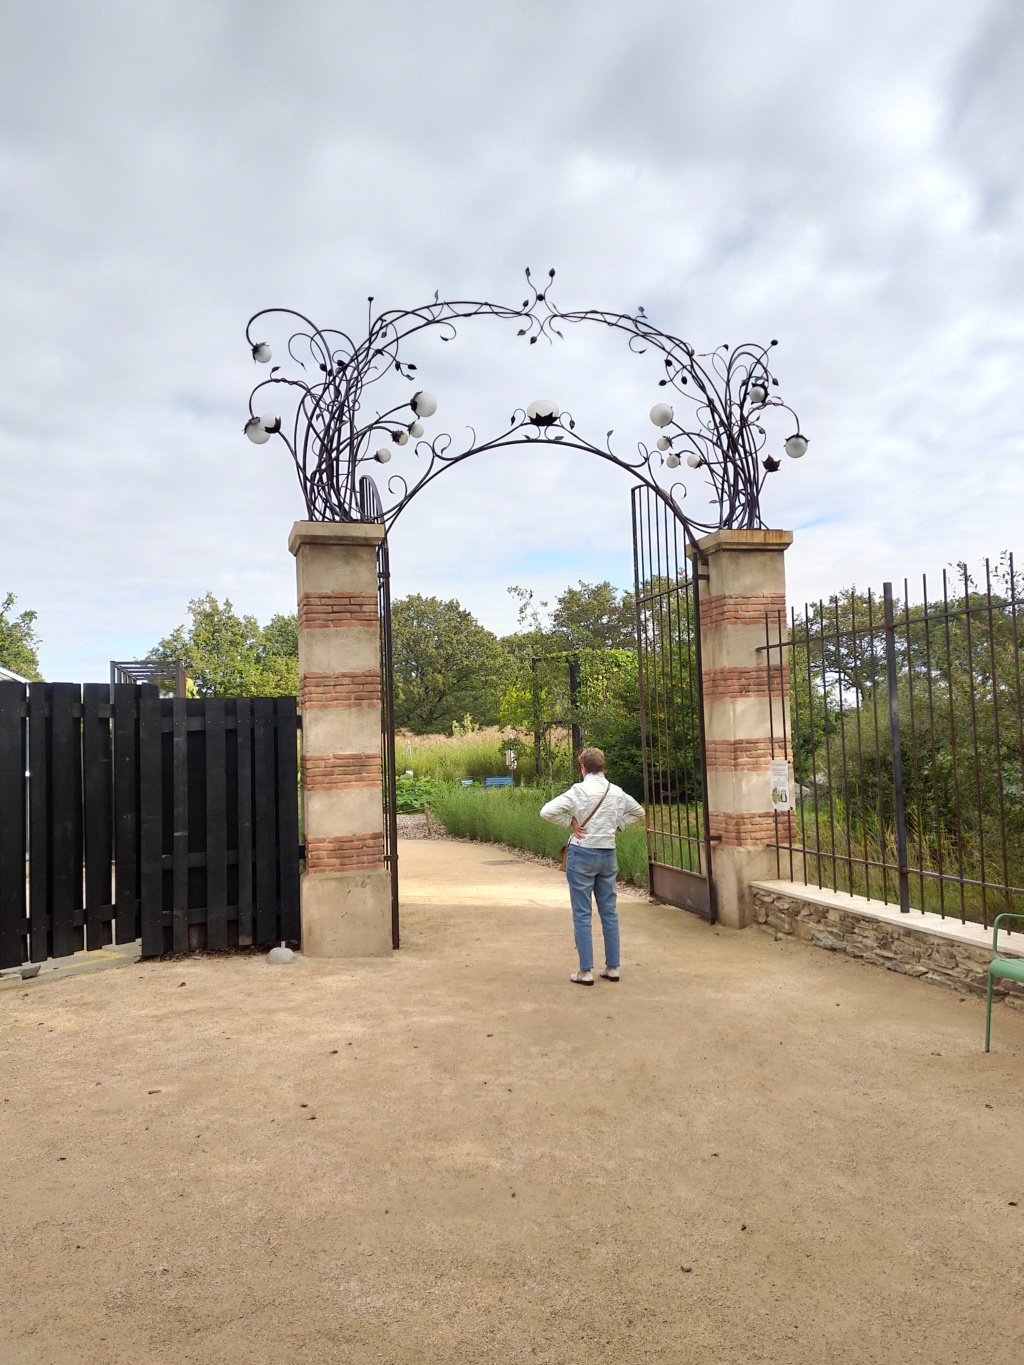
389 781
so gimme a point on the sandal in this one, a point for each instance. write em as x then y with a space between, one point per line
582 978
610 974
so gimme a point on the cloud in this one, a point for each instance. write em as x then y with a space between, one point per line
842 177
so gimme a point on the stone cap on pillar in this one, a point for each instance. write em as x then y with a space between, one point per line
745 540
369 533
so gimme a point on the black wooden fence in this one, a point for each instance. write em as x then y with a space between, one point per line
127 815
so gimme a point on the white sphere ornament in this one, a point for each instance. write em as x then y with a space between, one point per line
416 430
401 438
672 461
693 461
270 422
661 414
262 353
542 411
757 393
796 446
383 455
664 443
423 404
255 432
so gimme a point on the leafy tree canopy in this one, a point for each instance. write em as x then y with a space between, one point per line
595 616
446 665
226 655
19 642
589 616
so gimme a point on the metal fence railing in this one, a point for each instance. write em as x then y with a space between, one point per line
906 737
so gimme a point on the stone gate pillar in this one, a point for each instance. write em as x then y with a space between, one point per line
346 890
746 577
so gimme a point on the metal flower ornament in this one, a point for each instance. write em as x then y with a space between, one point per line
325 414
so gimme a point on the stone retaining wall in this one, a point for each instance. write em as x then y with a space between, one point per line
941 952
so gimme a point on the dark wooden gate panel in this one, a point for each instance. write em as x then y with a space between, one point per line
171 819
13 824
98 798
127 826
287 776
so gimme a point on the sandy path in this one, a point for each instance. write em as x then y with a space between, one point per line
456 1156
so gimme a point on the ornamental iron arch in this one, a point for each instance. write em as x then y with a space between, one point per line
716 423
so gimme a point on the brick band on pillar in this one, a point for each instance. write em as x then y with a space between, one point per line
346 888
744 708
326 610
355 687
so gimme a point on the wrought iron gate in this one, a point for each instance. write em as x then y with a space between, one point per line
387 732
370 509
667 587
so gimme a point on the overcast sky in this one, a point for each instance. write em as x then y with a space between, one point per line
844 175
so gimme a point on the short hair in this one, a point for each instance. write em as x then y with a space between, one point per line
592 760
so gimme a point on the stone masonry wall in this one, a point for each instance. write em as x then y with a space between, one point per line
913 951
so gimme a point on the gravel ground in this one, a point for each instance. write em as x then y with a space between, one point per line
745 1151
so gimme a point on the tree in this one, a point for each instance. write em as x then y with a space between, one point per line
589 616
18 640
595 616
446 665
226 655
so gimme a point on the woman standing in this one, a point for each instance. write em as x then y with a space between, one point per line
596 809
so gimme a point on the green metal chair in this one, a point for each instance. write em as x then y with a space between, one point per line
1010 968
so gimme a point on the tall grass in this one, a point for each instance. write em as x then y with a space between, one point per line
449 758
504 816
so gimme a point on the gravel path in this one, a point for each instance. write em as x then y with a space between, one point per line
422 827
745 1151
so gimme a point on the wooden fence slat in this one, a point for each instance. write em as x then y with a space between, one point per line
66 816
265 831
286 731
151 821
13 844
179 845
126 812
216 827
98 822
246 902
38 822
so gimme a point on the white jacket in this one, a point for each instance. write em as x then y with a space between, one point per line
617 810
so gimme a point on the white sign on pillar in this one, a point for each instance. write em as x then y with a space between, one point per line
782 795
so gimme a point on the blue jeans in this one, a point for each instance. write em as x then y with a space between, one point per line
593 870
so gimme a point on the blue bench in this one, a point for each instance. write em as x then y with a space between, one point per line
497 781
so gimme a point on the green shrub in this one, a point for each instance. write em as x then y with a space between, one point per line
512 816
411 793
